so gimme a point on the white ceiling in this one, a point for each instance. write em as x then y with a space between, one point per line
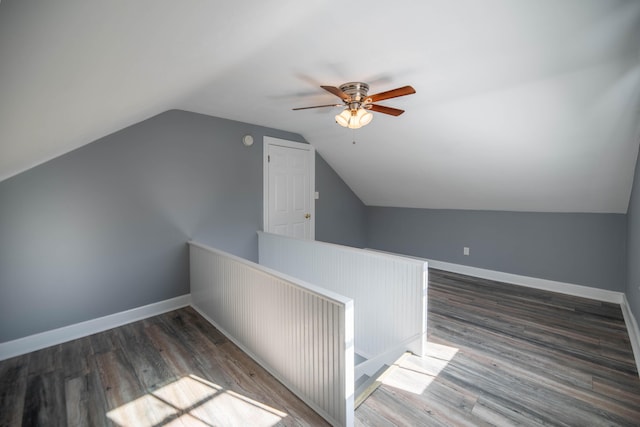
527 105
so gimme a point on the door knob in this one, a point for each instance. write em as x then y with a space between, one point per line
307 216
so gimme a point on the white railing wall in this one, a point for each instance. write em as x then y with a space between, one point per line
302 334
389 292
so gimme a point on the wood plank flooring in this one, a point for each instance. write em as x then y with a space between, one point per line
507 355
170 370
498 355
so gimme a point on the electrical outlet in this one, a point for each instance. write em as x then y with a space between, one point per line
465 251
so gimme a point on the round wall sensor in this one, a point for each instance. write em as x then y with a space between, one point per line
247 140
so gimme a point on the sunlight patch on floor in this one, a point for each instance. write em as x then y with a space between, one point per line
194 401
413 373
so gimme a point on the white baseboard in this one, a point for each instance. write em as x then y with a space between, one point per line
632 329
67 333
549 285
564 288
532 282
516 279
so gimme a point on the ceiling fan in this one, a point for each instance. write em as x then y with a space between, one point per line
357 103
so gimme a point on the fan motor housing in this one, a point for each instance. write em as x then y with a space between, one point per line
356 90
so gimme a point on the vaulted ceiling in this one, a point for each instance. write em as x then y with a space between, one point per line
527 105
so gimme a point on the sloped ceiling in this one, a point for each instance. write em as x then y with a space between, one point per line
526 105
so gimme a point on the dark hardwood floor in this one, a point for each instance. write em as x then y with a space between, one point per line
170 370
507 355
498 355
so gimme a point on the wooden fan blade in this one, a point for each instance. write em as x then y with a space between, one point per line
337 92
394 93
319 106
385 110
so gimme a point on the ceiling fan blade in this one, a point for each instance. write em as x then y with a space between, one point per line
385 110
337 92
318 106
394 93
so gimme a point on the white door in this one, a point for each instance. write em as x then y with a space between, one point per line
289 188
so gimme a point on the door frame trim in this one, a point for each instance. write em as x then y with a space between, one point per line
311 152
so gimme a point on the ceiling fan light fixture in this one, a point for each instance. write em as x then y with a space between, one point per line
364 117
358 103
344 117
354 119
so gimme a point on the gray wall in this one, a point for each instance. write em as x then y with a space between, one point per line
584 249
633 246
340 214
103 229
